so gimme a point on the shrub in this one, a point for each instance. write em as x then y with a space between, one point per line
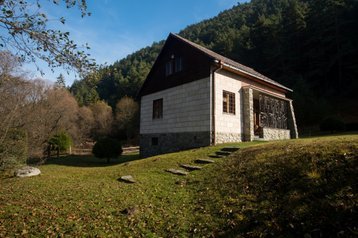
61 141
13 149
332 124
107 148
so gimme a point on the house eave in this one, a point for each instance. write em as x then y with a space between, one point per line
256 78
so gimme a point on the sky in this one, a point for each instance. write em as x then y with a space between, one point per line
117 28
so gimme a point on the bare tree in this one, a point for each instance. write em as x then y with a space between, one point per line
103 119
127 117
25 32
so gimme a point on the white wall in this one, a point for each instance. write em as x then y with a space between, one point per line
224 122
186 108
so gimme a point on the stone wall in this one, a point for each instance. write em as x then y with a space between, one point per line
186 108
227 125
275 134
172 142
222 137
248 113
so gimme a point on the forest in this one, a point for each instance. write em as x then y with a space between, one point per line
307 45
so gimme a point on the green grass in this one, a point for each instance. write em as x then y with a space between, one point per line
289 188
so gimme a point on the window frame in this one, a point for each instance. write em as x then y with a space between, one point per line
173 65
157 112
229 102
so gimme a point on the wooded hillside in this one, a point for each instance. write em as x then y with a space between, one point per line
308 45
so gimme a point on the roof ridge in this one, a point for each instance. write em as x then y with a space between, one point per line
229 61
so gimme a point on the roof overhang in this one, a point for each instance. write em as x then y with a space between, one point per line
251 76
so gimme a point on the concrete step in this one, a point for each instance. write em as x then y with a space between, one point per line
177 171
204 161
223 153
190 167
216 156
230 149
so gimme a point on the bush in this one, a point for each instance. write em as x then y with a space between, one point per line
61 141
107 148
13 149
332 124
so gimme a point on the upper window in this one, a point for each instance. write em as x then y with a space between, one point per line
158 108
174 65
228 102
178 64
169 68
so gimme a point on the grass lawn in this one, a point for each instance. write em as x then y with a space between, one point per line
288 188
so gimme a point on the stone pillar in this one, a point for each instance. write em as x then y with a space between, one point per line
248 114
292 126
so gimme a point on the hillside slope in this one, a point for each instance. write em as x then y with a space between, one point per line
308 45
297 188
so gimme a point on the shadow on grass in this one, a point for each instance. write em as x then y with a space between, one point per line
90 161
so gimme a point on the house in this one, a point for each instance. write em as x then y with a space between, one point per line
194 97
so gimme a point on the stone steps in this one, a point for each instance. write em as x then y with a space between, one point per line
230 149
190 167
204 161
223 153
177 172
218 155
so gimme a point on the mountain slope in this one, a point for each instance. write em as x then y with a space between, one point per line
308 45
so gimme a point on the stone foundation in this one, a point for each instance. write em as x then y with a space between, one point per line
275 134
221 137
171 142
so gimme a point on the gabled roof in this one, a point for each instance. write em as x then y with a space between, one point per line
230 63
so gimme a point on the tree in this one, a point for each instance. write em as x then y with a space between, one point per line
103 119
34 108
60 82
60 142
127 116
25 31
107 148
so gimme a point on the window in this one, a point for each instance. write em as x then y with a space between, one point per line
178 64
228 102
155 141
158 108
169 68
174 65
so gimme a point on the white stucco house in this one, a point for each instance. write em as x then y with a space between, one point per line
194 97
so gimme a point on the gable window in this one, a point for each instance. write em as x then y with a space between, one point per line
169 68
178 64
228 102
158 108
174 65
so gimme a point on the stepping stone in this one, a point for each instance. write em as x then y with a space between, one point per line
223 153
216 156
204 161
177 171
127 179
230 149
190 167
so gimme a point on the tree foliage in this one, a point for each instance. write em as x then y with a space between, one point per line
26 33
107 148
60 141
127 117
33 111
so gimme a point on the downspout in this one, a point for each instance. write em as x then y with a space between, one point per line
213 130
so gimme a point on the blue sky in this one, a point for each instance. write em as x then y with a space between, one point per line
117 28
